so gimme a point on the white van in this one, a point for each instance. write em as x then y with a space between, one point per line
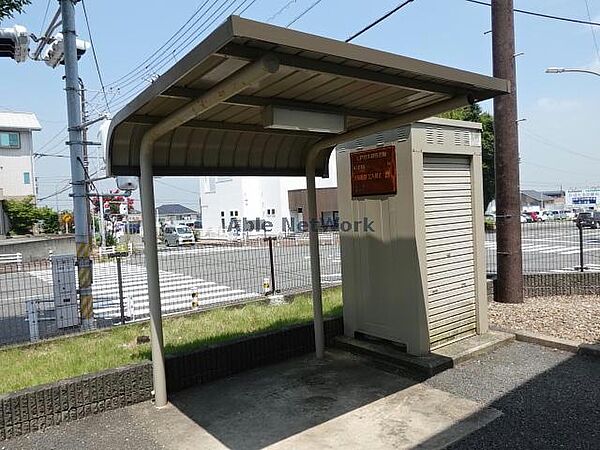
175 235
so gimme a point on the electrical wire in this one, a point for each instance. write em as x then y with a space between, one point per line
587 6
157 51
280 11
378 21
544 16
87 23
161 62
53 138
306 11
177 187
45 17
543 140
163 59
247 7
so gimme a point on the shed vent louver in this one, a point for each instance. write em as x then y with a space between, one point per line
430 136
403 134
439 136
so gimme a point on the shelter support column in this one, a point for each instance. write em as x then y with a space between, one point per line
315 262
151 254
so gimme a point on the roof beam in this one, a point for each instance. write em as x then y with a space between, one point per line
357 73
249 100
227 126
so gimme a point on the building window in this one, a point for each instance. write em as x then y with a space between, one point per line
222 213
10 140
26 178
299 210
236 214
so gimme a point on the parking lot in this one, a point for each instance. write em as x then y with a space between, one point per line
551 247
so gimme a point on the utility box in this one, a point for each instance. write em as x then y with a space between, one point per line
412 234
65 291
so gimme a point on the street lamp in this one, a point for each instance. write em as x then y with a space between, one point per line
563 70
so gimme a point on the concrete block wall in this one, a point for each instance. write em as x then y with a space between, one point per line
42 406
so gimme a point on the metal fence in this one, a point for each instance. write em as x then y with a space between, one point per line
552 247
203 276
223 272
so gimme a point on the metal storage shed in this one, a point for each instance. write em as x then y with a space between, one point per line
206 116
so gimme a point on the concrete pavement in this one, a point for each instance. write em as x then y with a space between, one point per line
520 396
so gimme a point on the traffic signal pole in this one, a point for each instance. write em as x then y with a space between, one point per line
78 175
509 285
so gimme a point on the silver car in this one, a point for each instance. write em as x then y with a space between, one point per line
178 235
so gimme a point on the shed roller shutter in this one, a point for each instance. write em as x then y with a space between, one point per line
449 248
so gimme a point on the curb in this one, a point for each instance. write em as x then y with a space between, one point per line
544 340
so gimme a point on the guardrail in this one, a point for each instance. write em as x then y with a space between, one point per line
12 258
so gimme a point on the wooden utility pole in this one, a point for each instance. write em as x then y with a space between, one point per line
509 285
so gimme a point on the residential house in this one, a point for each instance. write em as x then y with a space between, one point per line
536 201
16 158
173 213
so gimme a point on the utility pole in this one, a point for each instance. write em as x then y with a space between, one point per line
509 285
86 164
78 175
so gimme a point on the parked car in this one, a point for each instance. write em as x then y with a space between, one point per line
525 218
178 235
588 219
533 216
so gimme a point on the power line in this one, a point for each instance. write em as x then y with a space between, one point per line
247 7
544 16
543 140
587 6
45 17
381 19
163 57
87 23
161 62
178 188
281 10
306 11
157 51
62 130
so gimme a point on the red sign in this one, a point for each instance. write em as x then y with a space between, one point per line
373 172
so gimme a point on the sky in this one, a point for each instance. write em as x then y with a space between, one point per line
559 127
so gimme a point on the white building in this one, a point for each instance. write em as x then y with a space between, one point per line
16 159
16 154
227 199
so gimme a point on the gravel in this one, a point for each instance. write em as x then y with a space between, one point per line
572 317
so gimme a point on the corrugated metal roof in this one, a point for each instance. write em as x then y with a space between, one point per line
315 73
19 121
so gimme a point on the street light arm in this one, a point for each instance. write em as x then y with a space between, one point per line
563 70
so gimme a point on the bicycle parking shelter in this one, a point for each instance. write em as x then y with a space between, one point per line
256 99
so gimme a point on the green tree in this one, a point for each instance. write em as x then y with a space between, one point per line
22 214
474 113
49 219
9 7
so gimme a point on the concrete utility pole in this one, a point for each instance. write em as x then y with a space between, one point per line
78 176
509 286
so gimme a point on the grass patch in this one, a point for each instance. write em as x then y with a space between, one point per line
55 360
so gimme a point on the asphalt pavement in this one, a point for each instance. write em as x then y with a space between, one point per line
551 247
